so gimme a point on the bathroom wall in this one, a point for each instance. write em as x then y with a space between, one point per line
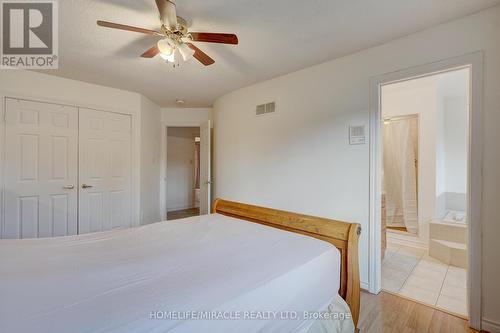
452 144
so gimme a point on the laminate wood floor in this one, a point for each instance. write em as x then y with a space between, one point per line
387 313
181 214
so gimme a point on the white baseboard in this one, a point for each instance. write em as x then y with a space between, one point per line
490 326
365 286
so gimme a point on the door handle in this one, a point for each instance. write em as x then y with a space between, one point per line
86 186
68 187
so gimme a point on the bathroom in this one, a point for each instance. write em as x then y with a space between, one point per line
425 148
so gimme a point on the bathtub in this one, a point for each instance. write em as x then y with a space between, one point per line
455 216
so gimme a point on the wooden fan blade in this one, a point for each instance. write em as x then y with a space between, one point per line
151 53
214 38
201 56
168 13
126 28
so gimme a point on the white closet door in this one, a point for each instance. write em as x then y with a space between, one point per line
205 172
105 171
41 145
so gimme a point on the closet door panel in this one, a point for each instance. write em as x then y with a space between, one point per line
41 162
105 171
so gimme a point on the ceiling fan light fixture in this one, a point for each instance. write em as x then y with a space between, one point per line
186 52
168 57
175 35
166 46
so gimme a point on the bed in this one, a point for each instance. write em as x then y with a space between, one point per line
212 273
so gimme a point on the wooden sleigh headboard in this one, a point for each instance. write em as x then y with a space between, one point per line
342 235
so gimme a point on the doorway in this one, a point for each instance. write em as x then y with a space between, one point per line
183 172
474 63
187 170
425 258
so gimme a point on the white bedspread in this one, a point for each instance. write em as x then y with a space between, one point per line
129 280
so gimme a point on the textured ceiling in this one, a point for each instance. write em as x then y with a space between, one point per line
276 37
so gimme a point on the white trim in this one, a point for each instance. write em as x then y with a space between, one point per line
163 173
490 326
2 157
365 286
136 142
475 62
375 197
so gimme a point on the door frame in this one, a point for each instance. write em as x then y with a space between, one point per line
135 149
163 164
475 62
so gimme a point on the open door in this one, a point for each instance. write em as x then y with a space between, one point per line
205 172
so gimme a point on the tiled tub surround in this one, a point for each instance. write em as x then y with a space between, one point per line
448 241
411 273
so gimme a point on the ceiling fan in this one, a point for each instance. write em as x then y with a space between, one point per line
176 37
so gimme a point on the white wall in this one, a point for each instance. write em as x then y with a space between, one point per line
440 157
150 161
455 143
299 159
186 116
452 141
180 167
43 87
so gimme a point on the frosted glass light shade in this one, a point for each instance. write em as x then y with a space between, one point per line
168 57
186 52
165 46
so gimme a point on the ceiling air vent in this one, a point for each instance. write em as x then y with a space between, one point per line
261 109
265 109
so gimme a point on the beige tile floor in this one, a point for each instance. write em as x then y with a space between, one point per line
410 272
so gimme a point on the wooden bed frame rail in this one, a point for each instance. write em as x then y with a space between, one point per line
344 236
